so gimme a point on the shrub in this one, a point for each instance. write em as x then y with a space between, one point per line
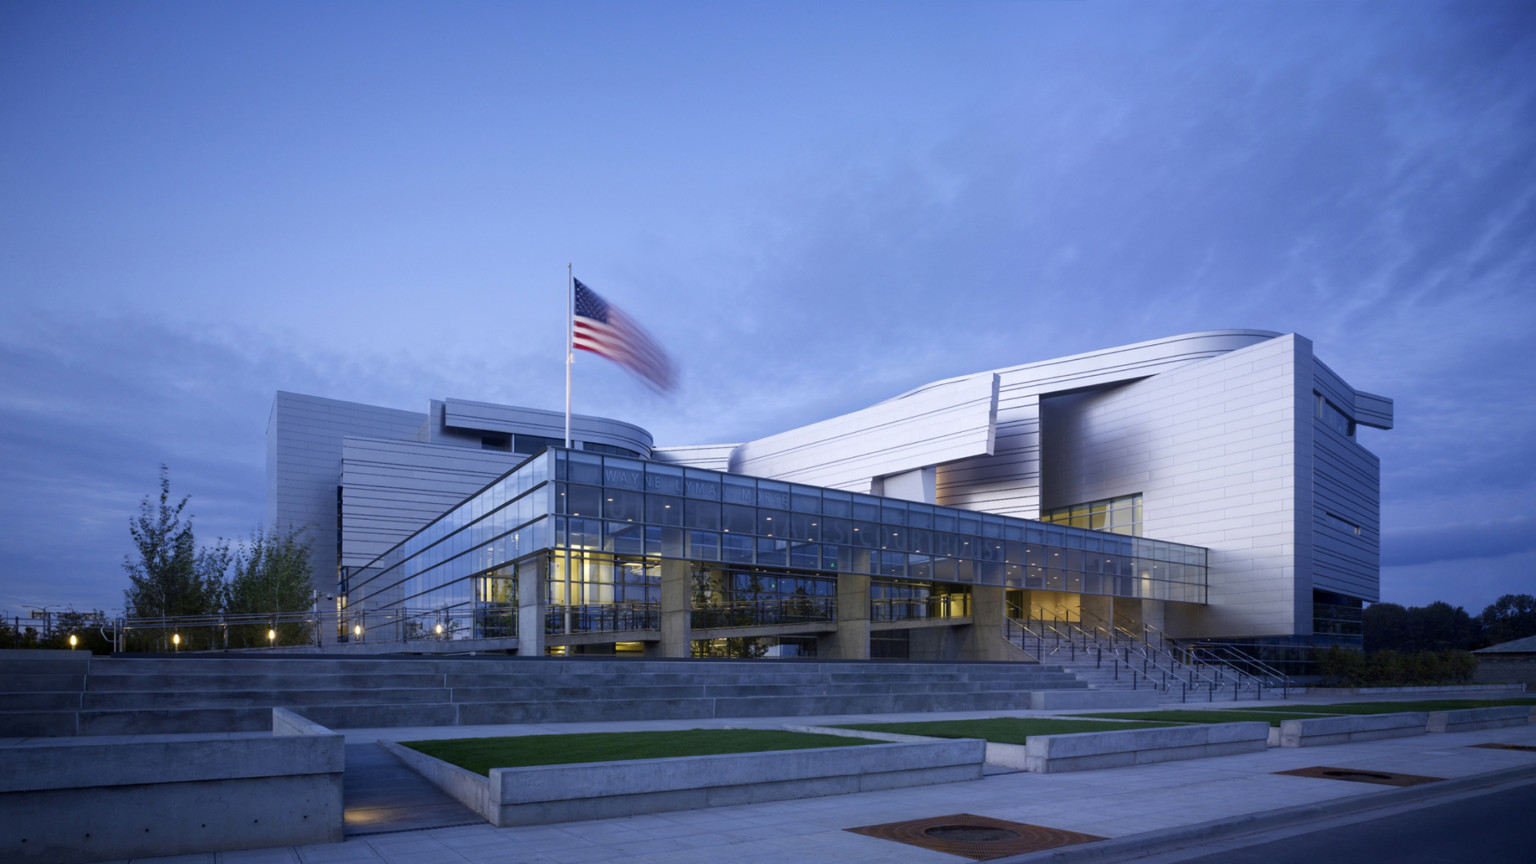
1342 668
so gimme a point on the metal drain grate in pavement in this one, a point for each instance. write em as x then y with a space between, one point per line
1524 748
976 837
1362 775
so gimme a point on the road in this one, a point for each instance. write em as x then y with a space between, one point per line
1492 828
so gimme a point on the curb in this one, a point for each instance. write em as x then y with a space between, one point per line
1170 839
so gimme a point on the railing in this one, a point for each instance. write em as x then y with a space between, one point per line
601 617
1054 637
217 632
792 610
1235 657
263 630
1149 657
919 609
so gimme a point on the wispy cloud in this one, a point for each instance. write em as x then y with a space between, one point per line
812 219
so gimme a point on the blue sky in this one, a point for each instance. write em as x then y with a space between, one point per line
814 206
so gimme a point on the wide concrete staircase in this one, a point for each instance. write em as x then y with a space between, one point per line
138 695
1116 659
41 692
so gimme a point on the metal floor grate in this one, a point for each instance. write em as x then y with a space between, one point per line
976 837
1524 748
1362 775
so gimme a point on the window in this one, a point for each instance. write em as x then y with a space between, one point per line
1116 515
1336 614
530 444
594 447
1344 525
1334 418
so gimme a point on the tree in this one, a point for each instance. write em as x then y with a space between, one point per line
1385 626
169 576
1436 627
1443 627
86 627
1511 617
271 576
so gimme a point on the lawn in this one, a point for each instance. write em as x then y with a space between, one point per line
1234 715
480 755
1395 707
1002 730
1291 711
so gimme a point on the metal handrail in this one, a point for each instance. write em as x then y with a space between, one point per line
792 610
602 618
1230 654
1159 654
1156 659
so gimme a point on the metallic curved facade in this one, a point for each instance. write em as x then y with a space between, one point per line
1239 442
359 479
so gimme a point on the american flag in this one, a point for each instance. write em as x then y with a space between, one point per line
604 330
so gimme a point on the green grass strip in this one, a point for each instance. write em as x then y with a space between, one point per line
1234 715
480 755
1002 730
1396 707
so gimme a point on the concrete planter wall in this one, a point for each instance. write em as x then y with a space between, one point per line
1046 700
1472 719
1459 691
1082 751
602 790
69 800
1344 730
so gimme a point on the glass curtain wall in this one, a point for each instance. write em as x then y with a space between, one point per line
751 597
618 518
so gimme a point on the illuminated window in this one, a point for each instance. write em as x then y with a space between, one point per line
1117 515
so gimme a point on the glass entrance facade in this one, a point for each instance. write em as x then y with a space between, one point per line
587 537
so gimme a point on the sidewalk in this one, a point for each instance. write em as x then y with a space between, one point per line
1113 803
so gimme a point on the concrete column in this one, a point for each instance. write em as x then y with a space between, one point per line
1097 612
852 639
676 621
530 608
1128 614
985 639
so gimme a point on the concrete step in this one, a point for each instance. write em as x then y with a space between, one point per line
159 721
624 676
539 711
129 665
125 700
44 666
381 716
39 701
266 680
41 682
473 713
555 693
230 694
759 706
37 724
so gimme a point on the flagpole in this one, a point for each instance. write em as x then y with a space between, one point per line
570 351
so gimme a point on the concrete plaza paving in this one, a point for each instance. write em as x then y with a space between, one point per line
1149 801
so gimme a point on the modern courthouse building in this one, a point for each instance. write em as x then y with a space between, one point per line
1208 486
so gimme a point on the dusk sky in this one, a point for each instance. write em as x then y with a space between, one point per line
813 206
